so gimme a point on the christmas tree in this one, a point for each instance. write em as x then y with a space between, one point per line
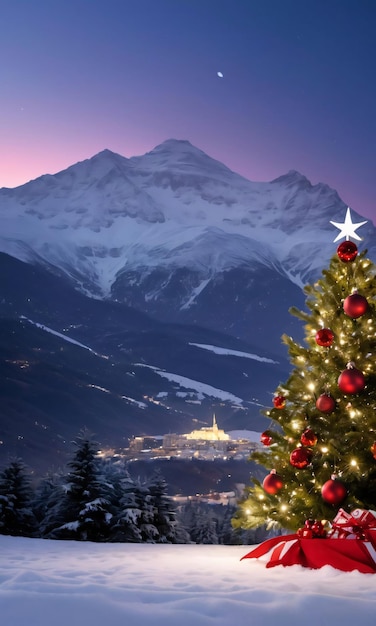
321 447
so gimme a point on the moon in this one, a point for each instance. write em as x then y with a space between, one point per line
219 74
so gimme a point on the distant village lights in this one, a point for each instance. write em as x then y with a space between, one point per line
207 443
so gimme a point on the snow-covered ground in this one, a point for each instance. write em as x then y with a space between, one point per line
51 583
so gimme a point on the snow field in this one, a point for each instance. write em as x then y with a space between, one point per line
67 583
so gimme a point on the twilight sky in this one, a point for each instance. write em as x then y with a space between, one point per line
298 89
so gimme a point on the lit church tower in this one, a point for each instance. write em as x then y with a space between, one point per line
215 425
211 433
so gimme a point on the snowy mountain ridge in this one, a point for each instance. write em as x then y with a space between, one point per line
172 208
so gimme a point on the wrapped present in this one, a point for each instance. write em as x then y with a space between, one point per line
364 518
354 525
341 526
342 517
354 549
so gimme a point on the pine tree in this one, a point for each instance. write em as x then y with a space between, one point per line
47 503
16 494
204 525
226 534
322 445
85 509
145 501
145 512
164 509
127 521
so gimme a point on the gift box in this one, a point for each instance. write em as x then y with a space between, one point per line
350 545
352 525
364 518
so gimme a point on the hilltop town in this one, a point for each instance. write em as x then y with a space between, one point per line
207 443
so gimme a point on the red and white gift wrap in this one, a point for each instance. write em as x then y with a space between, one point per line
354 525
350 545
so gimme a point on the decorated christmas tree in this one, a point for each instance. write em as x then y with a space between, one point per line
320 449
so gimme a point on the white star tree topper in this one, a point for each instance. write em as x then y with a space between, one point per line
347 228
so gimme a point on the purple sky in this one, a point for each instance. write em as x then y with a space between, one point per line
298 88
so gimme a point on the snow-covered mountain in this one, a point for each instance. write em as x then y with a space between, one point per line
178 235
130 288
173 208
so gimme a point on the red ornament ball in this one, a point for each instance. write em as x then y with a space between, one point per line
279 402
333 491
355 305
347 251
325 403
373 450
308 438
324 337
351 381
272 483
266 438
300 457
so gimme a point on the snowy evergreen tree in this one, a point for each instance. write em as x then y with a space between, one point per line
47 503
127 522
164 510
149 531
204 525
208 523
226 534
85 510
16 494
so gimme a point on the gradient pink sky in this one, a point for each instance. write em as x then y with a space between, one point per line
298 88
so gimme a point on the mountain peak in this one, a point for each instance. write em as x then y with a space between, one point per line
176 144
293 177
177 148
107 154
107 158
179 154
